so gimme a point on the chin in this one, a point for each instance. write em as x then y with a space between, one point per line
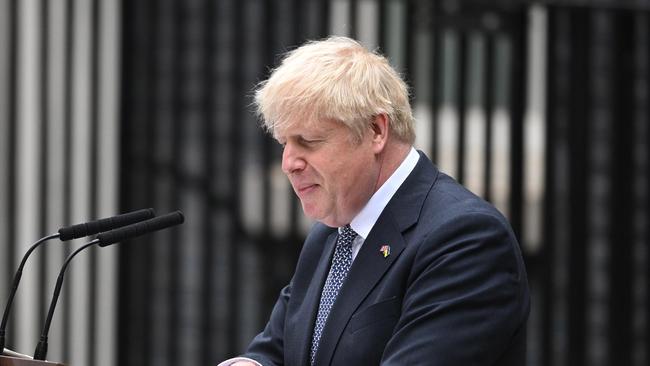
312 213
329 221
316 213
320 218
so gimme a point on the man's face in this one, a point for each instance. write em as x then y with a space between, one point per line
332 174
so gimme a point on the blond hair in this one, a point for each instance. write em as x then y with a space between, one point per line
336 79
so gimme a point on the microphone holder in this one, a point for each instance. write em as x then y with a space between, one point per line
17 277
41 349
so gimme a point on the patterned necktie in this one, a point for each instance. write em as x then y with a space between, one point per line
341 263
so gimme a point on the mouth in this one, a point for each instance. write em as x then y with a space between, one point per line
304 189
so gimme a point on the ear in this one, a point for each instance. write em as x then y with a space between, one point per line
379 129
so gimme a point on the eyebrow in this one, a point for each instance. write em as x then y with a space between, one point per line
321 133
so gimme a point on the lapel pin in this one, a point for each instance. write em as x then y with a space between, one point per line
385 250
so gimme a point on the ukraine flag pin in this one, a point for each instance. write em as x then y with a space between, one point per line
385 250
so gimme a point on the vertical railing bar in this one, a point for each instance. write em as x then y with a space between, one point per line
94 171
409 41
353 10
517 107
436 81
44 142
178 110
579 137
488 108
209 137
125 102
236 140
146 262
266 249
646 202
325 17
11 148
623 174
461 102
67 120
547 254
382 36
299 30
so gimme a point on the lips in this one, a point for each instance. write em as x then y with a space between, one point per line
304 188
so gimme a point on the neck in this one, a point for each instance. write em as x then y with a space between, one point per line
389 160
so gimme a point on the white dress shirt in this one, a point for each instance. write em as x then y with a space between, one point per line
367 217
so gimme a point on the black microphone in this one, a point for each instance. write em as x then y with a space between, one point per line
104 239
69 233
98 226
140 228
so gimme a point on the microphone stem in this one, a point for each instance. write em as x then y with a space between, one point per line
41 350
17 277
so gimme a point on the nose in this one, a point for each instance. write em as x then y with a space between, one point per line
292 161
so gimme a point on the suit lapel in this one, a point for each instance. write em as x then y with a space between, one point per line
367 269
370 265
302 334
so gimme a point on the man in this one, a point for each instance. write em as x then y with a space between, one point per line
405 266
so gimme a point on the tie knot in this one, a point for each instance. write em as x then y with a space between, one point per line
347 235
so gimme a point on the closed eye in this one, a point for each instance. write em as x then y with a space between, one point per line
301 141
308 142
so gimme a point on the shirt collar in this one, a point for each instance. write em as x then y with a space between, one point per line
366 218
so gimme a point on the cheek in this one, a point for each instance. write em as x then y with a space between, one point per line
344 170
355 184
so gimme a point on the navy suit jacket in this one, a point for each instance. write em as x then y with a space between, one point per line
453 290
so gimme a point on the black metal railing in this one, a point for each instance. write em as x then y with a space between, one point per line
191 141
